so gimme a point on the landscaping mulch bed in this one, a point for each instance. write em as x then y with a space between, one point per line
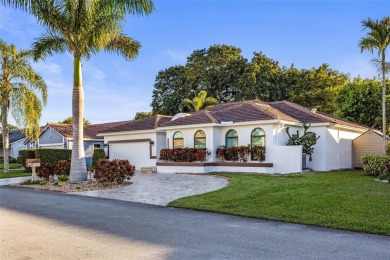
74 187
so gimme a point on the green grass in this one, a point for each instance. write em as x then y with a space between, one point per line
339 199
15 171
11 166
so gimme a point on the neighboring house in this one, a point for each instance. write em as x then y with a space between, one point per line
236 124
60 136
16 142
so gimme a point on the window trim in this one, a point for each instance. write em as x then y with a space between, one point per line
174 139
232 138
200 138
263 135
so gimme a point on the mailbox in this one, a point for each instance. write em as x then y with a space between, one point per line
33 163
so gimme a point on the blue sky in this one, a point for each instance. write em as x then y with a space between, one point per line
305 33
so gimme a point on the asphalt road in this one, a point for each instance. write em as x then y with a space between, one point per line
44 225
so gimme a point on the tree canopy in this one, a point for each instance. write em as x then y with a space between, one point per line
225 74
69 120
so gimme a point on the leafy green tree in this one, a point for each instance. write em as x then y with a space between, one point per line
360 102
315 88
18 86
219 70
141 115
268 79
69 120
170 89
199 102
83 28
378 38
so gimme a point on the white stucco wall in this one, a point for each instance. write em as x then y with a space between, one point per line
286 159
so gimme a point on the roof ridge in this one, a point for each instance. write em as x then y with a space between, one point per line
256 105
210 116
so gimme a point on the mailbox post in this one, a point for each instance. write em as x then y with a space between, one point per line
33 163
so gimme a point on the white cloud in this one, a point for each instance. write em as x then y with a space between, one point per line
94 73
45 67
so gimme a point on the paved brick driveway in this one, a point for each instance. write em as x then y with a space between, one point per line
161 188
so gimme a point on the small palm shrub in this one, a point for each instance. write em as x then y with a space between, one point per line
63 177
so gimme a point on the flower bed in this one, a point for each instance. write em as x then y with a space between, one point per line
240 153
183 155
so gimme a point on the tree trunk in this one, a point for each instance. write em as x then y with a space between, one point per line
384 128
78 169
4 117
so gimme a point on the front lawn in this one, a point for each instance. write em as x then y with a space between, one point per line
15 171
339 199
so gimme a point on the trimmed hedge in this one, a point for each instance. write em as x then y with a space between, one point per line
113 171
183 154
53 155
375 164
98 154
62 167
24 155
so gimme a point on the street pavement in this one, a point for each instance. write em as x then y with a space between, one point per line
47 225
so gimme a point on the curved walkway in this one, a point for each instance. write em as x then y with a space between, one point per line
160 188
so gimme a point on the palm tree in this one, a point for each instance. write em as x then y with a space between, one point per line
378 38
83 28
18 84
199 102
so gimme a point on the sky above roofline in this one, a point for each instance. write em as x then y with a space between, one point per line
304 33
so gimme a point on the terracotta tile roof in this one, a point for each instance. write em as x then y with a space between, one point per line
148 123
90 132
307 115
256 110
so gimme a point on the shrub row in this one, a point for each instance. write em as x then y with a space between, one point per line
240 153
113 171
62 167
183 155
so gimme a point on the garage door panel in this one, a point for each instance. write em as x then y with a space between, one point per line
137 153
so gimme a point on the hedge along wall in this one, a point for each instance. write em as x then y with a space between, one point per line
24 155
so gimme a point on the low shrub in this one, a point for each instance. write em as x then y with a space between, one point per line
113 171
258 153
42 182
384 176
45 170
239 153
62 167
375 164
29 182
183 155
63 177
98 154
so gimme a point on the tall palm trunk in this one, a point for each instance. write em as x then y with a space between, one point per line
78 169
4 115
384 128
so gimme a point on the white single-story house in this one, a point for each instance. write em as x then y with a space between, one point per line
243 123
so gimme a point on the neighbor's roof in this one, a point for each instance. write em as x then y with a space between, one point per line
90 131
256 110
15 135
148 123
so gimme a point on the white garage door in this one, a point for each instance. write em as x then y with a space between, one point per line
137 153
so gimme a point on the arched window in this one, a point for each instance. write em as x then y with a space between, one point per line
257 139
231 138
200 139
178 140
